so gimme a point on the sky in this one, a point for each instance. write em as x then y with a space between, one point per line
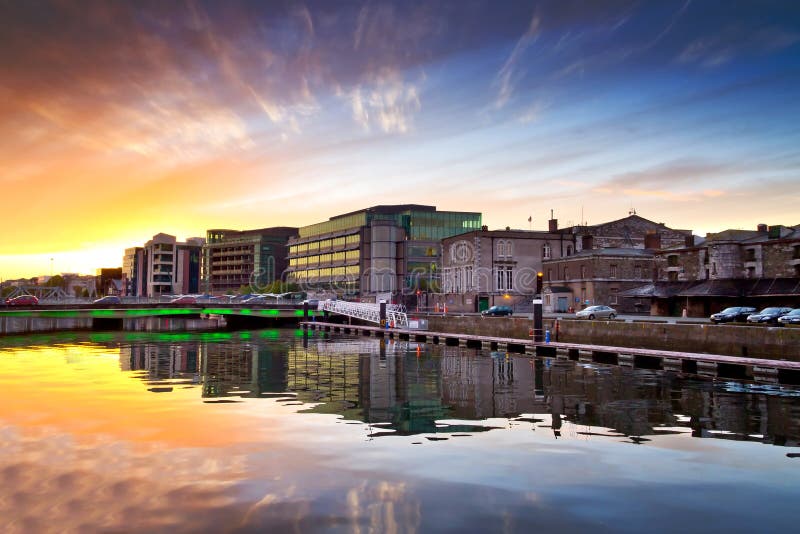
120 120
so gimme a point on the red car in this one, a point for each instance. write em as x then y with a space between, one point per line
23 300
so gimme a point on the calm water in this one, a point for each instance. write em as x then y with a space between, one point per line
250 431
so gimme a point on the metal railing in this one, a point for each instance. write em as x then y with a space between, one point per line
395 313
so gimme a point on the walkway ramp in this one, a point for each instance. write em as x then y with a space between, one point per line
366 311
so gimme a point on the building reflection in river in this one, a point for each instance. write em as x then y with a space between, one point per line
409 388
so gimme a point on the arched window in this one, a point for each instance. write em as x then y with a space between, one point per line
569 250
504 249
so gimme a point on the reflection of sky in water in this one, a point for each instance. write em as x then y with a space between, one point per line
348 435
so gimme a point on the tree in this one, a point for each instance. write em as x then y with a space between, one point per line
55 281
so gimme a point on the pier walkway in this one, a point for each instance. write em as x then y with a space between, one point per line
713 365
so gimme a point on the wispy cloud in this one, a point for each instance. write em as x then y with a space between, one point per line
507 75
386 102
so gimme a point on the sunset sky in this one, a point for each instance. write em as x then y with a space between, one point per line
121 120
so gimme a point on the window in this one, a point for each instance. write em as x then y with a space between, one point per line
750 254
583 272
546 251
504 249
751 272
673 276
637 272
672 260
614 296
613 271
569 250
505 279
566 273
549 274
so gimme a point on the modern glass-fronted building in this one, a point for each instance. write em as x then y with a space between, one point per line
379 251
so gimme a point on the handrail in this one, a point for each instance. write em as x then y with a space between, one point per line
365 311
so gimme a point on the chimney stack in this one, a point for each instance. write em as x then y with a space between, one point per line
762 228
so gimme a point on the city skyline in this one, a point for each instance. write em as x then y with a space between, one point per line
123 120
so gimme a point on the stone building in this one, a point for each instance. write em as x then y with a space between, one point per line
485 267
597 276
609 259
632 231
730 268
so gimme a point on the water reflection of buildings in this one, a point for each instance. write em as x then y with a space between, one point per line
407 388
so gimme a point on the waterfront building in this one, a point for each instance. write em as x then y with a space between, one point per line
486 267
133 282
236 258
632 231
608 260
163 266
756 268
597 276
381 252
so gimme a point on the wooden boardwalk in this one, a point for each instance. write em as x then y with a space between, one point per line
713 365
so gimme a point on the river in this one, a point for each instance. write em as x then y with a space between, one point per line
277 430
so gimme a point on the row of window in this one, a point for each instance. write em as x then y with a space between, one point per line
462 279
612 272
329 272
325 244
323 259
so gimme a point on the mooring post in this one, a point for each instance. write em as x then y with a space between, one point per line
537 321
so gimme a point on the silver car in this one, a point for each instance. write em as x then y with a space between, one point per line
597 312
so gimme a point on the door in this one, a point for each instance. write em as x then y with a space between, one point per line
562 305
483 303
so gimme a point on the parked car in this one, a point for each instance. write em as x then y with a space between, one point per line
184 299
22 300
498 311
793 317
734 314
108 299
768 315
597 312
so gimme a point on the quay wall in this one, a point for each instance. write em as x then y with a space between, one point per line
732 340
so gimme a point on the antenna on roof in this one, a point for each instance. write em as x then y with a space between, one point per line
632 211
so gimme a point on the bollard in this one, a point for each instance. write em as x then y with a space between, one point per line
547 336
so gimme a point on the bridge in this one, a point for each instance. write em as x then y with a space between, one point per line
395 314
138 311
20 320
